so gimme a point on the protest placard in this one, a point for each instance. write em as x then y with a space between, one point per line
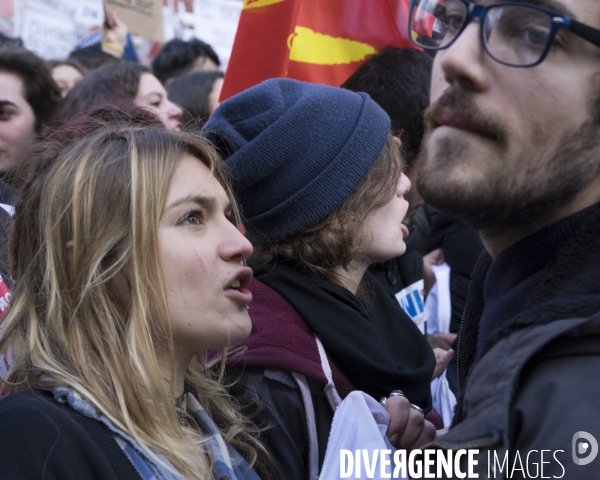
66 9
143 17
49 36
90 12
215 22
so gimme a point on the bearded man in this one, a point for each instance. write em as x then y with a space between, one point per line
513 146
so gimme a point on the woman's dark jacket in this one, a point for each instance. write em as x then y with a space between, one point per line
44 439
288 309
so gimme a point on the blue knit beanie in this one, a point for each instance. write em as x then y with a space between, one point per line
295 152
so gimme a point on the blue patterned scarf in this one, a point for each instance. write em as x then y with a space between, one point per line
228 464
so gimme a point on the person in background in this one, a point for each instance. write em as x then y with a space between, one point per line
197 94
111 45
319 179
124 83
6 41
398 80
28 99
130 232
178 57
66 73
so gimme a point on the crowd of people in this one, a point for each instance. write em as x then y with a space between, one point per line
191 289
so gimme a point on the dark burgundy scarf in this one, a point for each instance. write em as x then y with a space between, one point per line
280 339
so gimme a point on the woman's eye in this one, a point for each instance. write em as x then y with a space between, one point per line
5 114
193 218
155 104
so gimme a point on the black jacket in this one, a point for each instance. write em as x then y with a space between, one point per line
42 439
276 396
534 384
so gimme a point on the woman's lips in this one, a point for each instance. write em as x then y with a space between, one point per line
405 232
241 295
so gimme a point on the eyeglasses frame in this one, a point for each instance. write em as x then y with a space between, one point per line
557 21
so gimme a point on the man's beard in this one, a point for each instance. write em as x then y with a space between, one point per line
512 194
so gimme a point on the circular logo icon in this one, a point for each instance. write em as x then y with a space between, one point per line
587 447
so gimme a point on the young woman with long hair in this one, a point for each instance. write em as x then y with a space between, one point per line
320 185
125 84
128 266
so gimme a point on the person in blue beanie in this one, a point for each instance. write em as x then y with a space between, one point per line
319 180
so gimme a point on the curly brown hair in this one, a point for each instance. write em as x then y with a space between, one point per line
332 243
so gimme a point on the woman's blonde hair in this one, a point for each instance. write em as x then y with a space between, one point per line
89 210
332 243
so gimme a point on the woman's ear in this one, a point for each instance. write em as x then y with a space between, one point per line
397 141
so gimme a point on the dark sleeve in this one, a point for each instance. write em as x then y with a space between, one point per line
281 412
8 195
40 440
460 244
557 398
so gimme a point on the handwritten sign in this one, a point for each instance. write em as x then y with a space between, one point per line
215 22
50 37
67 9
90 12
143 17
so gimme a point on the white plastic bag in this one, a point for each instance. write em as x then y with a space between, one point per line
360 424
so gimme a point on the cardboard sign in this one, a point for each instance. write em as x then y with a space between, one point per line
143 17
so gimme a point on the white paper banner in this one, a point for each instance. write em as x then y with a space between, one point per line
49 36
90 13
58 8
215 22
412 302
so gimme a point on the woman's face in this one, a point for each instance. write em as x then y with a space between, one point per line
153 96
65 77
382 235
213 97
201 255
17 121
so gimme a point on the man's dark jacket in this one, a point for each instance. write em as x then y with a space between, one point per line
535 382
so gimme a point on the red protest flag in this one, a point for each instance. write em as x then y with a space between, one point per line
312 40
333 38
260 50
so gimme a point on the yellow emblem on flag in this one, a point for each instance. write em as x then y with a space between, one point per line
308 46
259 3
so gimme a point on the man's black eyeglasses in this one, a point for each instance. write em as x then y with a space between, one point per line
514 34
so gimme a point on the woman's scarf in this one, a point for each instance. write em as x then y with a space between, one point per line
376 344
228 464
